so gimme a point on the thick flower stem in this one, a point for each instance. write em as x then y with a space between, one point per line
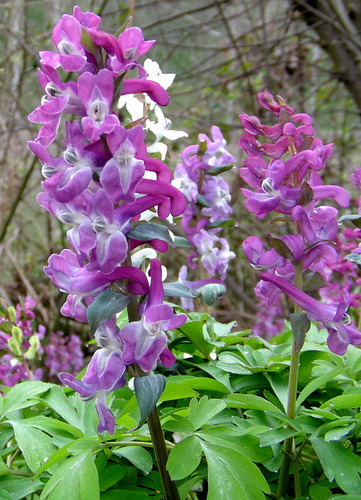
291 410
155 429
289 452
161 453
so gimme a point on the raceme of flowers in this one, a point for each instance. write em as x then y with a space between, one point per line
282 168
100 186
22 346
208 196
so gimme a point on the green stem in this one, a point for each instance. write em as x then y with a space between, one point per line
289 453
161 453
155 427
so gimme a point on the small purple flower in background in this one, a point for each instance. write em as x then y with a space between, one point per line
63 353
208 197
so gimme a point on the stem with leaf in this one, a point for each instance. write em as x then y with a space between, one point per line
289 449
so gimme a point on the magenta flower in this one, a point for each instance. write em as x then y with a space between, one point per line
82 285
121 174
145 341
96 93
104 375
67 39
333 316
132 43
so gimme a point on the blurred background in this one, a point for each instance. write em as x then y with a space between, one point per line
223 52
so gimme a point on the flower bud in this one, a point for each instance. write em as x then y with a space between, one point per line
34 346
17 334
14 346
11 312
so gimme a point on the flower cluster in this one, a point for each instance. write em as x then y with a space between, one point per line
282 169
208 196
19 343
100 187
63 353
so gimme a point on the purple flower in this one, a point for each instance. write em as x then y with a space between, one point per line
145 340
81 284
104 375
121 174
96 93
67 39
331 315
132 43
214 252
318 224
216 193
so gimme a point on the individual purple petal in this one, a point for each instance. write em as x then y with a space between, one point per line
167 358
337 193
341 336
153 89
315 310
177 199
106 417
86 19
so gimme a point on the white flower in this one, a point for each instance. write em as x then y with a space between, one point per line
139 108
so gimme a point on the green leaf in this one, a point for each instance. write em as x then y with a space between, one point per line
82 444
106 305
274 436
177 290
181 242
338 432
355 218
4 495
318 492
35 445
354 257
201 201
219 170
56 399
233 476
137 456
229 437
199 384
221 223
202 410
202 148
343 401
150 231
76 478
111 475
194 331
18 397
312 282
250 402
175 390
300 326
211 291
339 463
178 467
129 492
19 487
316 383
52 426
148 390
280 247
179 424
